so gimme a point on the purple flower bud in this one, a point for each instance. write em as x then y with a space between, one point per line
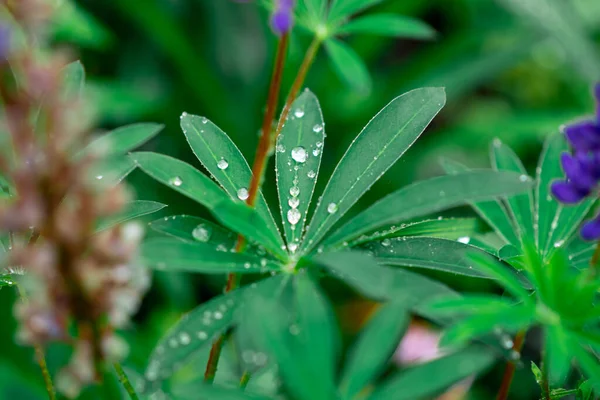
577 173
283 18
591 229
583 136
567 193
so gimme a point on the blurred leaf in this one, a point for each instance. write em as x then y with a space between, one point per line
175 255
369 355
388 25
493 211
132 210
348 65
221 157
212 392
471 304
111 171
429 196
298 157
557 355
521 205
547 171
429 253
427 380
122 140
249 223
73 24
385 138
505 276
181 177
343 8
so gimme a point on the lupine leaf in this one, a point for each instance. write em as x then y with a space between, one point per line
492 211
343 8
298 157
471 304
388 25
566 222
132 210
371 351
427 380
385 138
429 196
111 171
362 272
502 273
557 353
348 65
181 177
197 330
429 253
281 339
175 255
194 229
212 392
123 139
521 205
547 171
221 157
316 8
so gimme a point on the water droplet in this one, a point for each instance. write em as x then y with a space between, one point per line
319 144
293 247
332 208
299 154
311 174
173 343
316 152
176 181
99 177
317 128
559 243
386 242
263 262
247 265
222 164
507 342
293 202
218 315
523 178
294 191
202 233
299 113
204 120
242 193
202 335
514 355
280 148
293 216
184 338
221 247
294 329
464 239
497 142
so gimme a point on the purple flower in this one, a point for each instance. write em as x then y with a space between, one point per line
4 42
582 168
283 17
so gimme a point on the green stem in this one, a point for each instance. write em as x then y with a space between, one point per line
245 379
124 379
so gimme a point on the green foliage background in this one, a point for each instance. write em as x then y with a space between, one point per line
513 69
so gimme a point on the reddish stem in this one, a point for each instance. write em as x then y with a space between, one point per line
509 371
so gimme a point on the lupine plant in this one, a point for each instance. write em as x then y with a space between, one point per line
71 251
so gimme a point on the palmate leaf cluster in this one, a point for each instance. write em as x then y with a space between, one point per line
283 318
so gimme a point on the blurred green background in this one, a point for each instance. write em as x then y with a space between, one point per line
513 69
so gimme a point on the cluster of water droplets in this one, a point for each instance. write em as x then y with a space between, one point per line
202 233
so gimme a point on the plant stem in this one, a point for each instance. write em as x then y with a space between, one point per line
509 371
245 379
125 381
594 261
545 384
258 168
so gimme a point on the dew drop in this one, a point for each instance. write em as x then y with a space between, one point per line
507 342
202 335
218 315
222 164
293 202
464 239
99 177
280 148
221 247
263 262
184 338
523 178
176 181
386 242
317 128
293 247
295 191
311 174
242 193
202 233
332 208
173 343
319 144
316 152
293 216
299 113
247 265
204 120
299 154
514 355
559 243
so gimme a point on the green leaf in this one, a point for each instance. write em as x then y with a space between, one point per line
502 273
348 65
342 8
72 23
388 25
175 255
181 177
369 355
427 197
429 379
282 340
512 319
73 80
385 138
298 157
548 170
316 323
430 253
249 223
471 304
132 210
211 392
521 205
588 363
123 139
558 357
198 329
492 212
566 222
109 172
315 8
221 157
195 229
362 272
